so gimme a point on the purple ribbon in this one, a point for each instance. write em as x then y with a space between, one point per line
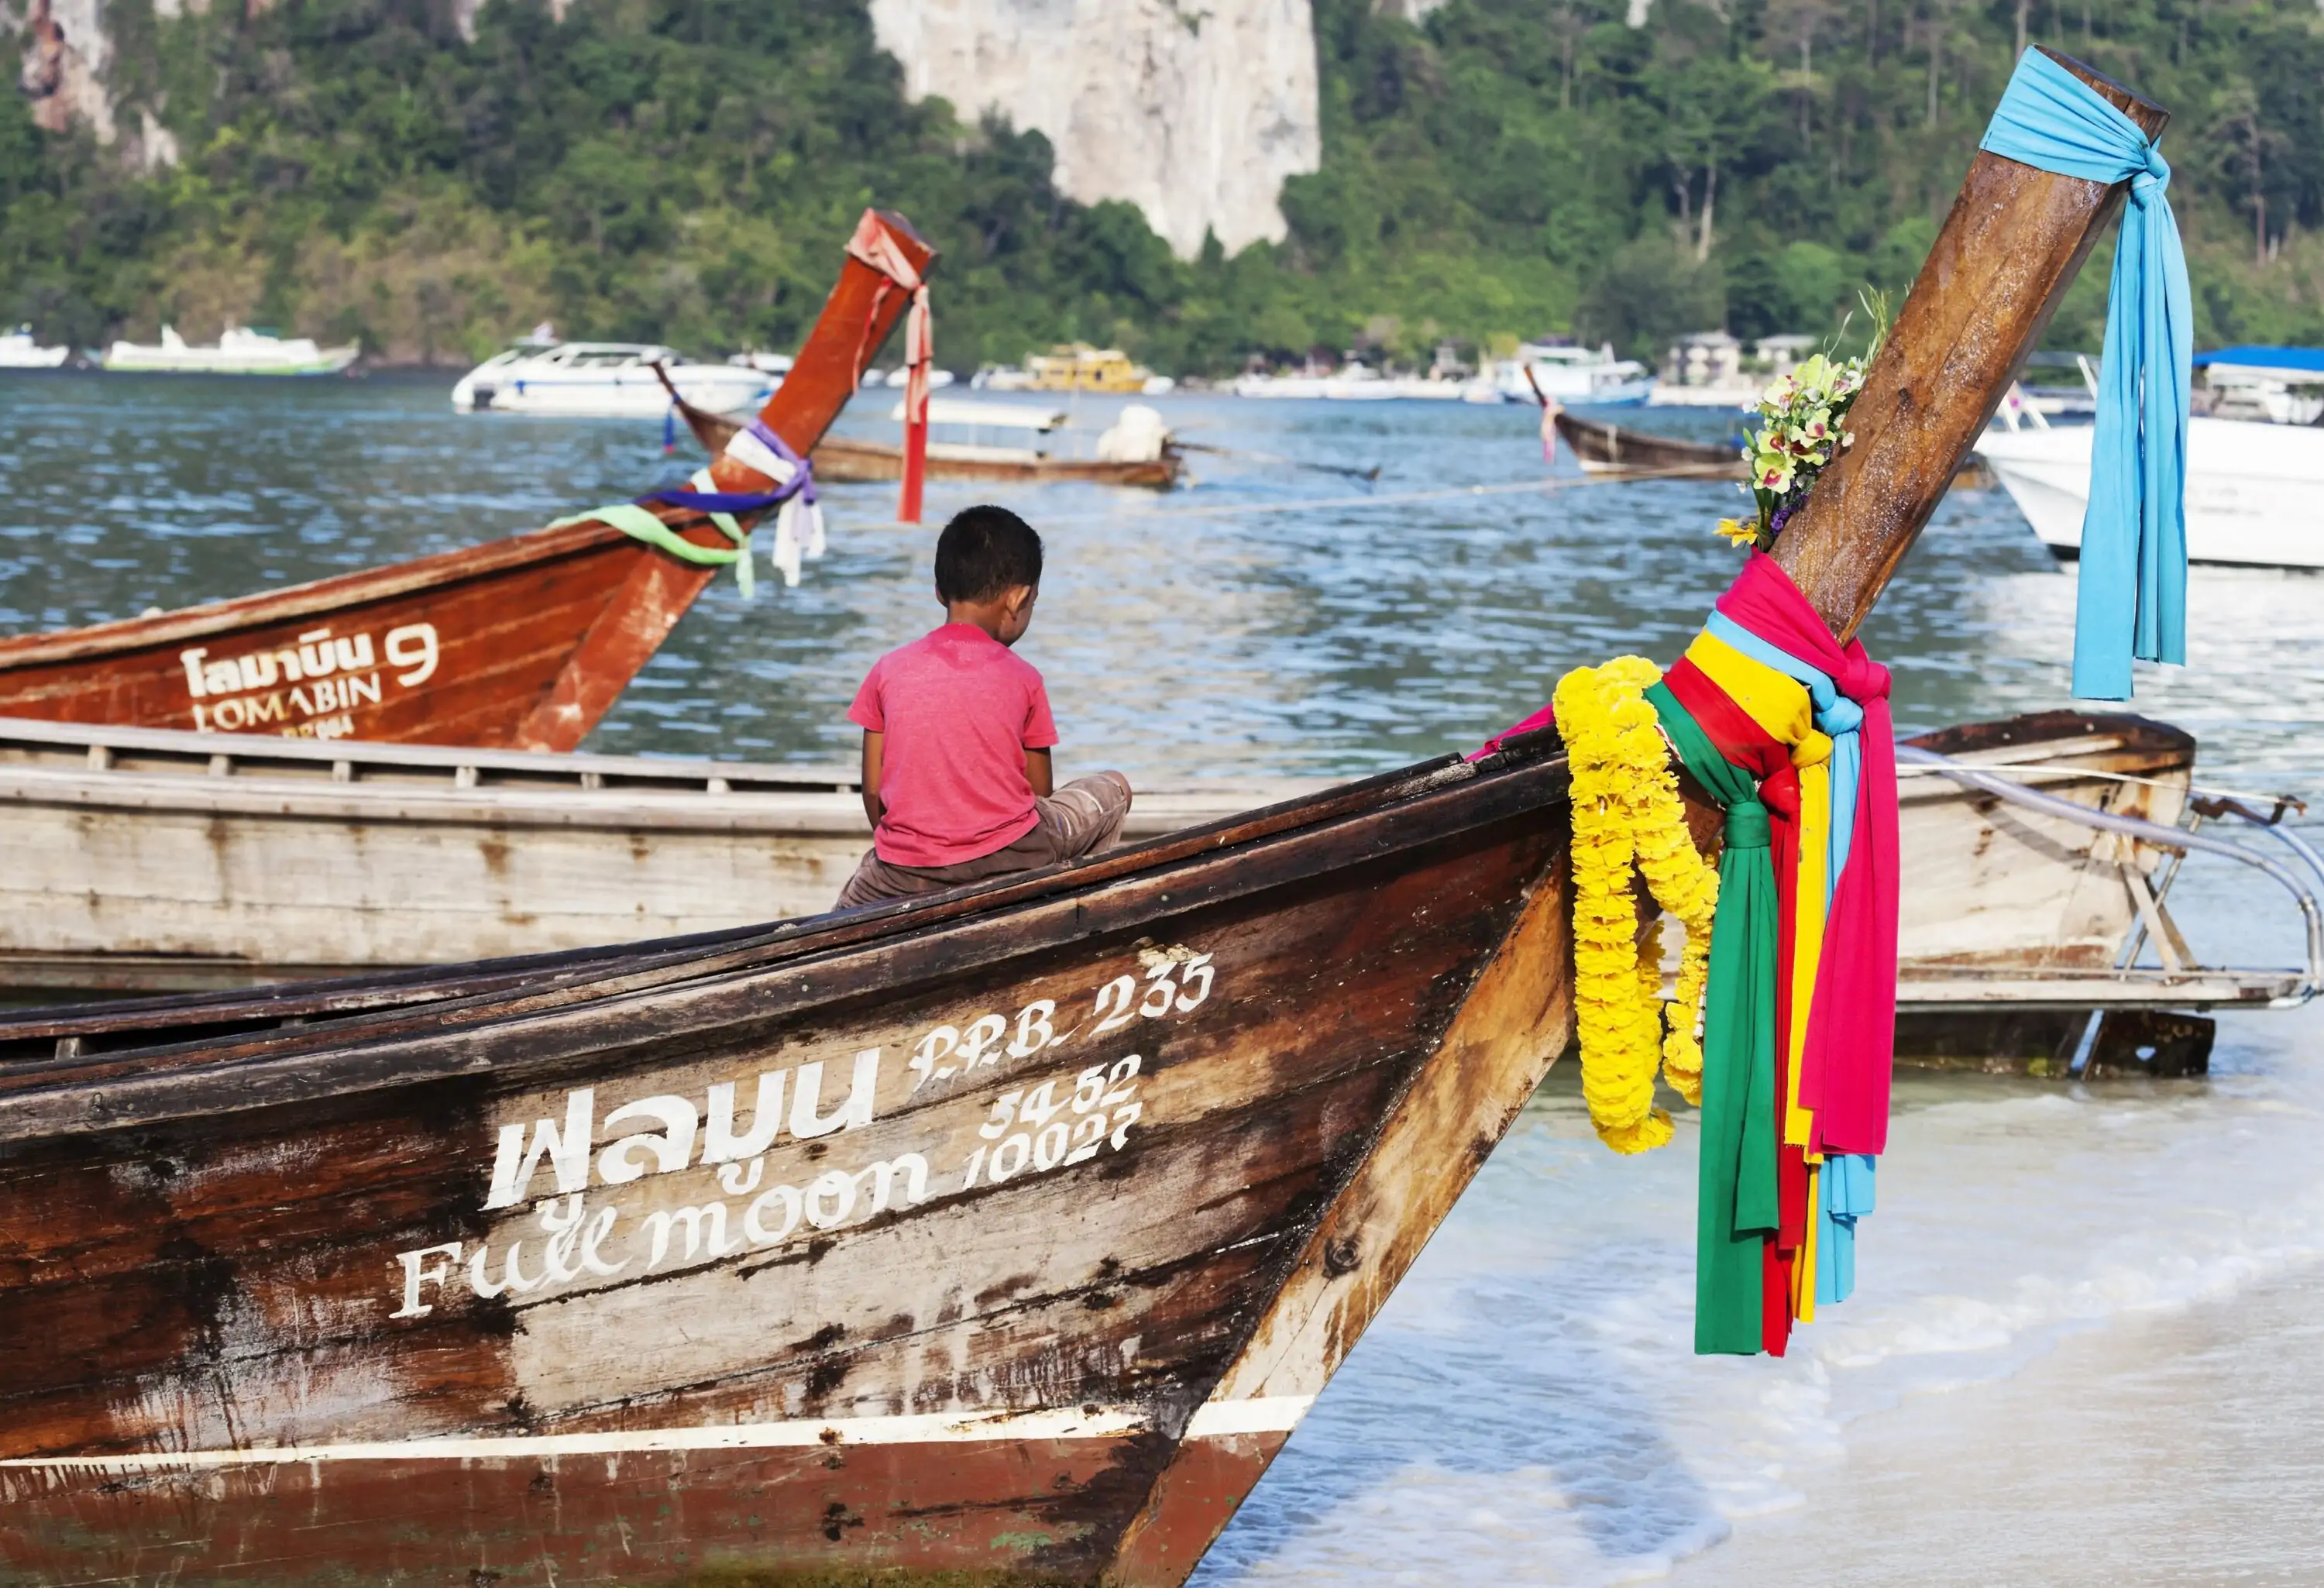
801 483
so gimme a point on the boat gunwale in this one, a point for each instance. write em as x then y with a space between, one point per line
335 592
513 1027
1382 793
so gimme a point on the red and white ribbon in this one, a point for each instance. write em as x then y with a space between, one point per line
875 246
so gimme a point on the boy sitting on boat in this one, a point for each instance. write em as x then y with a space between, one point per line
957 735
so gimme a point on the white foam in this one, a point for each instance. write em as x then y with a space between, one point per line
1527 1409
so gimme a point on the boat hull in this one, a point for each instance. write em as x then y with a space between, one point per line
1037 1311
839 460
1610 449
220 862
616 393
2251 489
525 641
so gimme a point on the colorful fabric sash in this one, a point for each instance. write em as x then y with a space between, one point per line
2133 596
1852 1036
1789 731
798 525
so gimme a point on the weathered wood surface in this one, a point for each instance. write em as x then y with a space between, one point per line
225 862
1987 884
1612 449
525 641
2012 244
842 459
1002 1369
1387 987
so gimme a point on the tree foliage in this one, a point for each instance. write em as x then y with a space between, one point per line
686 170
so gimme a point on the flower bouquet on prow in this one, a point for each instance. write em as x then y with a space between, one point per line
1802 417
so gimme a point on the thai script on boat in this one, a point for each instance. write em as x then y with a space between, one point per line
309 689
563 1147
1029 1131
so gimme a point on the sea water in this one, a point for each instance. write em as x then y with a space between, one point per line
2088 1341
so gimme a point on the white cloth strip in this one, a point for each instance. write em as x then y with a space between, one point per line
752 453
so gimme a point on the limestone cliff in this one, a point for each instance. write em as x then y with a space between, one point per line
1194 110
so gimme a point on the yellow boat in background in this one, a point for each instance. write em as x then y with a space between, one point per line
1080 367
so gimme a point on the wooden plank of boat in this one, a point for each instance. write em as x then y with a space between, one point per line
842 459
286 859
1002 1236
1610 449
523 642
228 861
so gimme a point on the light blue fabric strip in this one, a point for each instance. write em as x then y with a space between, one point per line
1836 715
2132 599
1846 1182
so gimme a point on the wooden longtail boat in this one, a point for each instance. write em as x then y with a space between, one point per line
844 460
1002 1236
839 459
1610 449
241 862
522 643
225 862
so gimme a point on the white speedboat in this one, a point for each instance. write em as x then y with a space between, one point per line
238 352
19 351
606 379
2252 489
1569 375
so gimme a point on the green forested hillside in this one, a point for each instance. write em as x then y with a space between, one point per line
685 170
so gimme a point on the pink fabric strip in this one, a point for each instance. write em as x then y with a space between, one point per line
1851 1040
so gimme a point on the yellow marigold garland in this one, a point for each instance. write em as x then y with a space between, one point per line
1627 813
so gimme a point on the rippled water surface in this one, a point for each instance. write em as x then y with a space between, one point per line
2085 1343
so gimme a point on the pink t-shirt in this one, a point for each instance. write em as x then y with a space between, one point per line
958 709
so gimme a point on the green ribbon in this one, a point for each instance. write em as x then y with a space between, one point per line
638 525
1735 1204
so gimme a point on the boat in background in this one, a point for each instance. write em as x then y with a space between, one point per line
524 640
2274 385
18 350
1138 449
1563 373
606 379
410 854
239 352
2252 488
1614 451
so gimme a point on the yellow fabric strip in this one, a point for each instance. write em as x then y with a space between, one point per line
1781 707
1803 1269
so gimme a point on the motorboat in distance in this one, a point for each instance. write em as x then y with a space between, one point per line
606 379
239 351
18 350
2251 488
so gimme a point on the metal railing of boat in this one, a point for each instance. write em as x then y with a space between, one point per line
2178 840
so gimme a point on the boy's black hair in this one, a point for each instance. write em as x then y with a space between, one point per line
983 551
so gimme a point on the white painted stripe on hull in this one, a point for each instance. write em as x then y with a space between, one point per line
1216 1419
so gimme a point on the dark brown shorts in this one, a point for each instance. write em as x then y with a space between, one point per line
1081 819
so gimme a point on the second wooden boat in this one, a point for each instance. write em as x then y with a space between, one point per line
523 642
1613 449
842 459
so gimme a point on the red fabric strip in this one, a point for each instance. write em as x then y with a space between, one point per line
1844 1074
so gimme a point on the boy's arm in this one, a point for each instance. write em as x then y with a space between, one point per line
1039 773
872 808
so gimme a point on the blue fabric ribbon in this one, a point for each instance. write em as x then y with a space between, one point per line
2132 600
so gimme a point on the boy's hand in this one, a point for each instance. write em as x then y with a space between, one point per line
1039 773
872 808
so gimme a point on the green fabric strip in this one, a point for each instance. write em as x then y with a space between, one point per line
638 525
1736 1196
